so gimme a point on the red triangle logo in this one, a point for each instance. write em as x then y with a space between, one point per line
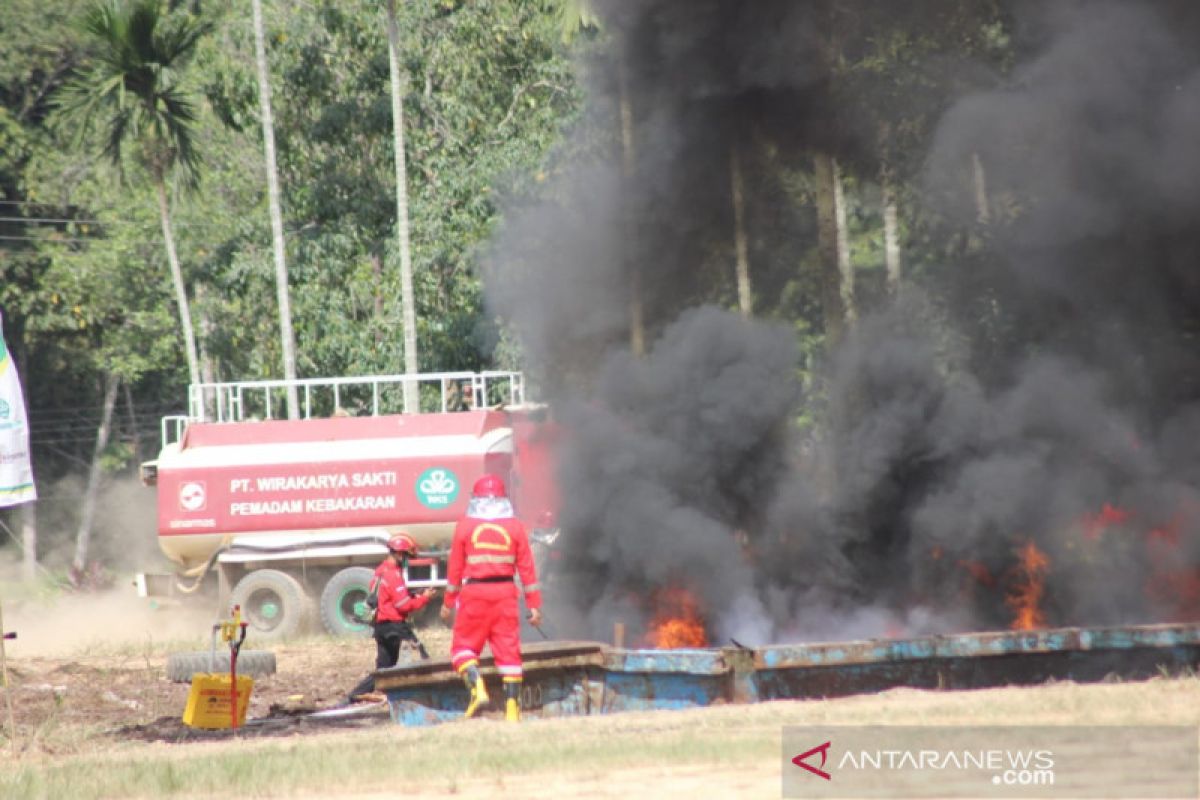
823 749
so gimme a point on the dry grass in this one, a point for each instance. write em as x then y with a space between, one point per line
729 751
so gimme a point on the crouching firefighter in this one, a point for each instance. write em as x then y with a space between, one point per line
391 602
490 547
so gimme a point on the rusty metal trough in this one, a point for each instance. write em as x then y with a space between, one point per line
577 678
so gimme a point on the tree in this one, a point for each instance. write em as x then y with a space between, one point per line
286 338
741 256
577 16
408 301
83 536
132 88
891 227
489 87
829 237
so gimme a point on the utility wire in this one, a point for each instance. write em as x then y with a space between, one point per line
98 222
56 220
49 240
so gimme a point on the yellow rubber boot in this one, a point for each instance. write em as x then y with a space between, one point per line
512 702
479 698
479 695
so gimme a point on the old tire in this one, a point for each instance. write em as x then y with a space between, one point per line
342 599
182 666
273 603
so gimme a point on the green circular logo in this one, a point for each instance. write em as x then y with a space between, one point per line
437 487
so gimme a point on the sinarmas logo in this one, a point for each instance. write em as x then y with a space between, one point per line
192 496
823 749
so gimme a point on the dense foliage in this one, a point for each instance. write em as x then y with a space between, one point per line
85 288
962 228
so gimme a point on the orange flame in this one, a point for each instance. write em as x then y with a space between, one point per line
1178 592
1029 584
1172 586
979 572
677 622
1096 524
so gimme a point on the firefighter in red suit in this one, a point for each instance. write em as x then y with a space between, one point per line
490 547
393 605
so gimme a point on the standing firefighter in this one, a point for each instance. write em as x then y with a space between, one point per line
490 546
393 604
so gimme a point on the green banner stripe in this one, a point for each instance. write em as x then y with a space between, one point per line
14 489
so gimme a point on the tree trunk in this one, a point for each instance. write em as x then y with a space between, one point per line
83 537
207 372
891 229
407 299
827 251
740 247
377 298
286 336
637 308
136 439
845 267
181 299
27 522
983 210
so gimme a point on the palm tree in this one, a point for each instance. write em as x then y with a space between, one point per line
408 303
131 89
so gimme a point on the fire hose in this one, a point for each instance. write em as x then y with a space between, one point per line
200 571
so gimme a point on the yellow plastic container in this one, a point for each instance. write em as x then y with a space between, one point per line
208 701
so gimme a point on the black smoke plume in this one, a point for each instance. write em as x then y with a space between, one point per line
1041 390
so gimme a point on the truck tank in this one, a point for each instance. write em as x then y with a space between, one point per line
292 514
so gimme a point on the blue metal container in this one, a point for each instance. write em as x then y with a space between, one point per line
579 678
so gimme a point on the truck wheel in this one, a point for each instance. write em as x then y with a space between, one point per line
182 666
273 603
344 600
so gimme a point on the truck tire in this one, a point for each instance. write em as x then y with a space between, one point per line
273 603
182 666
343 598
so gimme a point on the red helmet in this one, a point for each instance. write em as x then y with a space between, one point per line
402 543
489 486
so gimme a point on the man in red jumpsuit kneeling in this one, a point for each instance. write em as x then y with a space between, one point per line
393 604
490 546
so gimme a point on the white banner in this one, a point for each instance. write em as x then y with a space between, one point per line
16 474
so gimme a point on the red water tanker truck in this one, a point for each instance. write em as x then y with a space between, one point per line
291 516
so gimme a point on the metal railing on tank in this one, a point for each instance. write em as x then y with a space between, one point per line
375 395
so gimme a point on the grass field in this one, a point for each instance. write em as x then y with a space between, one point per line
727 751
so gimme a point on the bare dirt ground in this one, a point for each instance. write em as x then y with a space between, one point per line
91 668
129 696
